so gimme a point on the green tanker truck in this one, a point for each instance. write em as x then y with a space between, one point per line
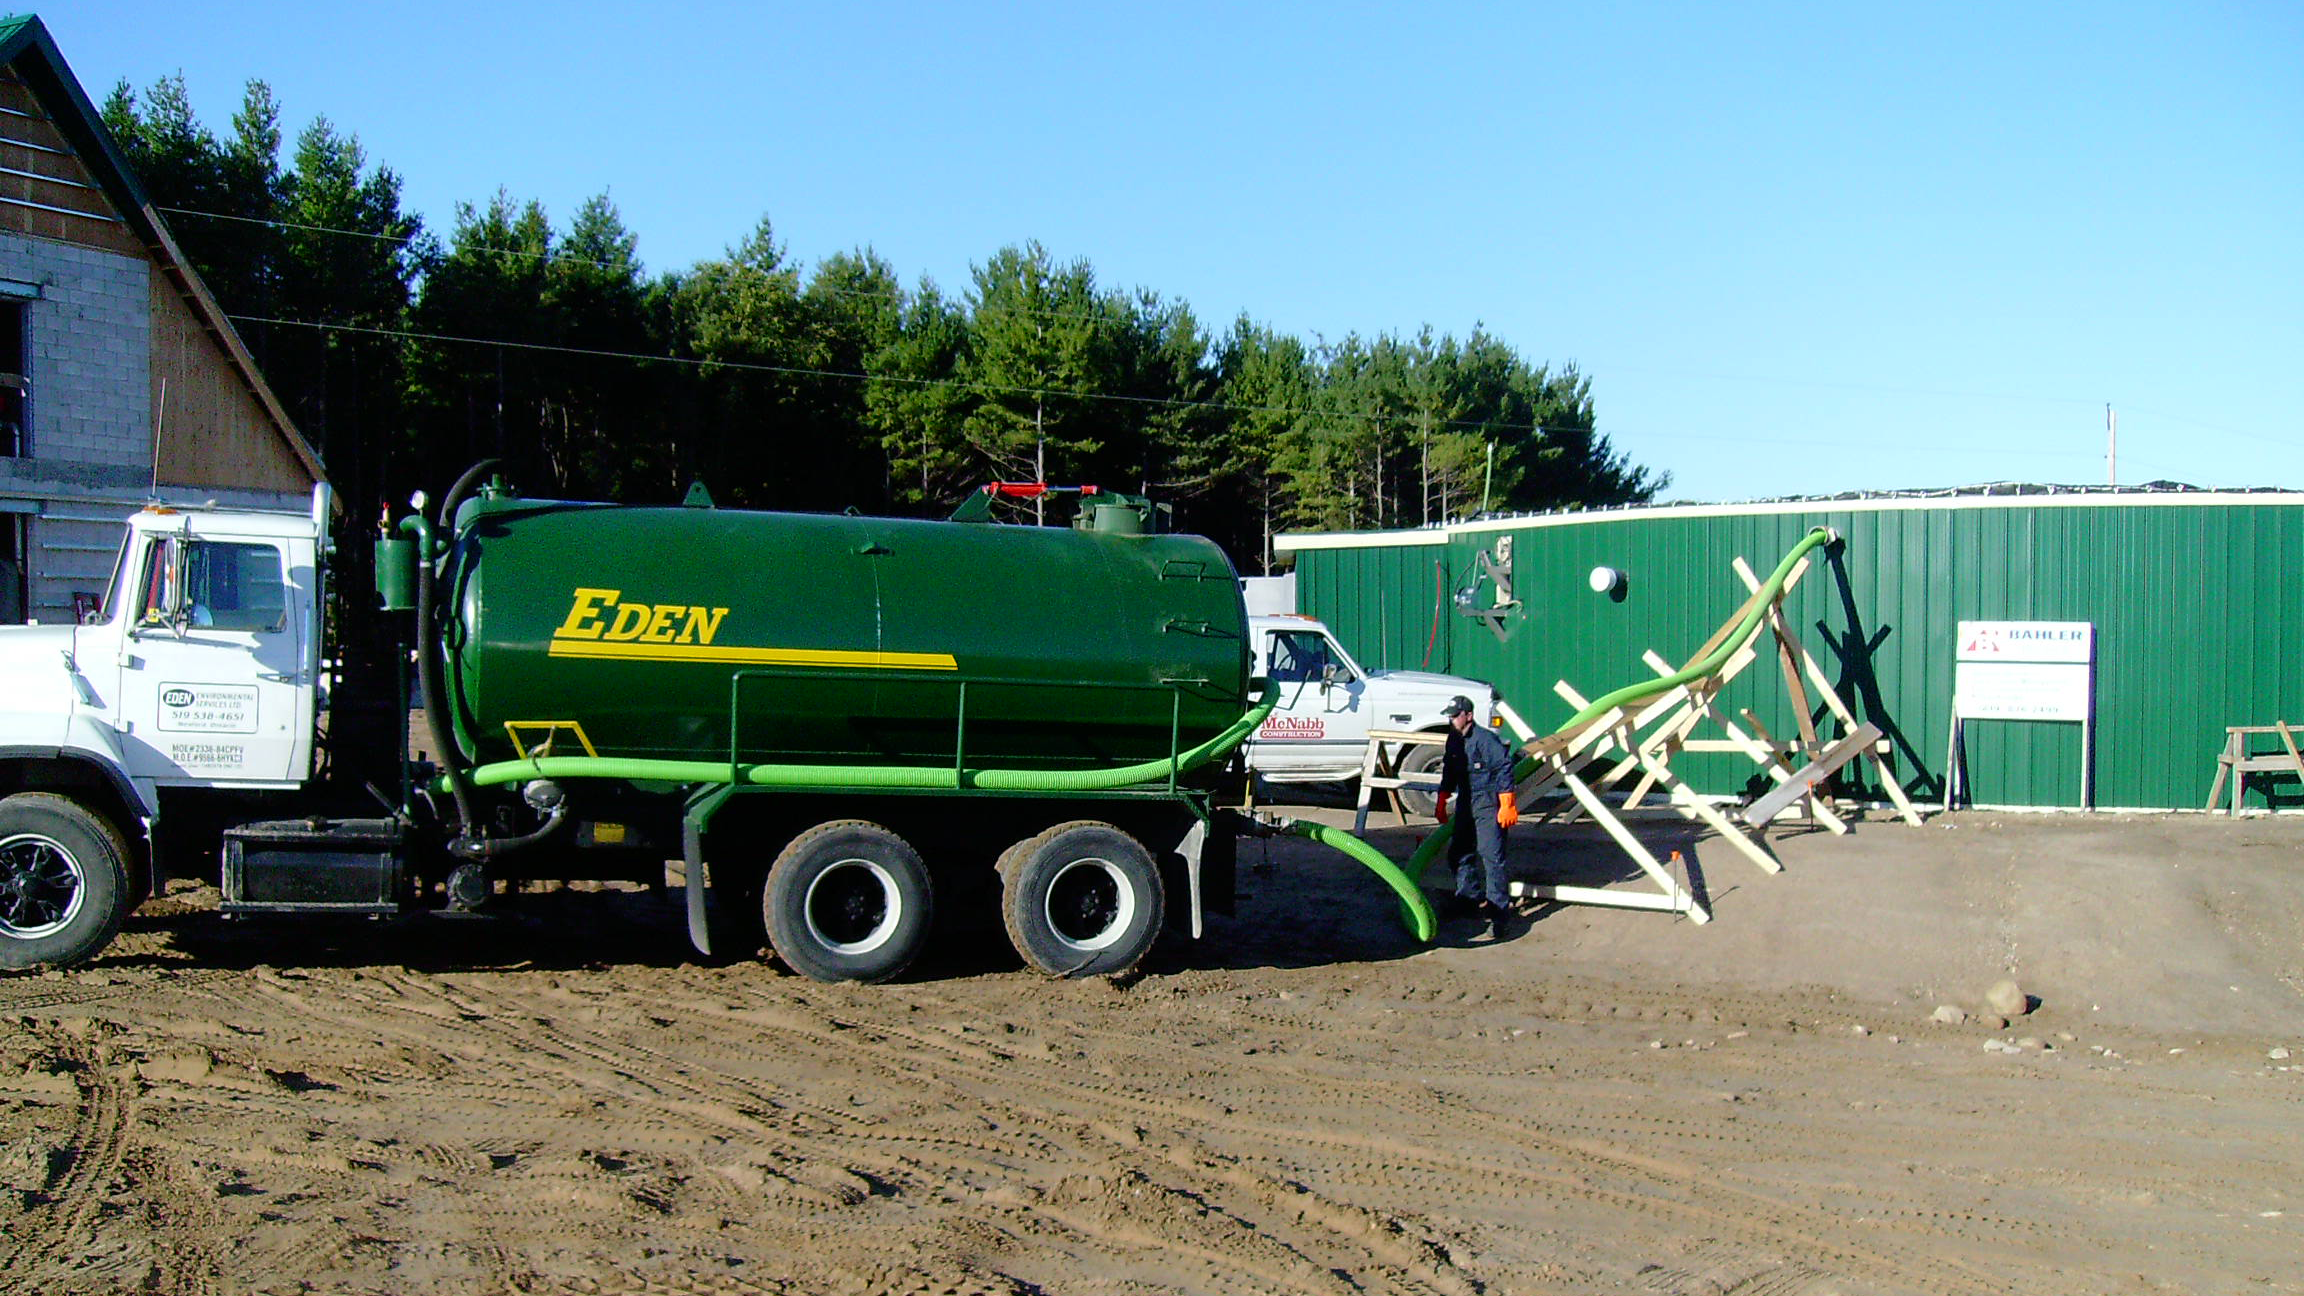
823 718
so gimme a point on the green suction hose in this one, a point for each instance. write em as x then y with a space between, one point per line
1415 909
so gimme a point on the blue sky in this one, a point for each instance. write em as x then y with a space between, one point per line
1798 249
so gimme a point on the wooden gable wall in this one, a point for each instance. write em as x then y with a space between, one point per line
218 426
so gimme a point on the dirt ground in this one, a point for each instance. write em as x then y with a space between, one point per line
1305 1102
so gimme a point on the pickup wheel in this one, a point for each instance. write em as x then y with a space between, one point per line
63 881
1423 762
1081 899
848 901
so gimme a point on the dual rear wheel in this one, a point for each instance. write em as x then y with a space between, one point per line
851 901
1081 899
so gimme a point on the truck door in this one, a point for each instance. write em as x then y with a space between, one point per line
1319 729
215 672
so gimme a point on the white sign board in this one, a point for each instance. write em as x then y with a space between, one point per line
2024 670
2020 691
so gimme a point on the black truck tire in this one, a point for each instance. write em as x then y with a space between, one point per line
64 881
1081 899
848 901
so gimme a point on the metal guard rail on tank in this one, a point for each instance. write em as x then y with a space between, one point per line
735 773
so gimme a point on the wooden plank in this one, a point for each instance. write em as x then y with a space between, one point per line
2224 766
1680 901
1648 863
1799 785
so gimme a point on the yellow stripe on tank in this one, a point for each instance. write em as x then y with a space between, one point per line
726 655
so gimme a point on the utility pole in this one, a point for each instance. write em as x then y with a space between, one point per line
2111 445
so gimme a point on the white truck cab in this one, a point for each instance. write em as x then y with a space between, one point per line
204 662
201 670
1328 702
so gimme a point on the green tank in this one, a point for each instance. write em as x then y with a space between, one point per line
637 633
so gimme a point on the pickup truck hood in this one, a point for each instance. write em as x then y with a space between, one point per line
1427 680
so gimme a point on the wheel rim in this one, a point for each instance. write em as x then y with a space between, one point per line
1090 904
41 887
1425 762
853 906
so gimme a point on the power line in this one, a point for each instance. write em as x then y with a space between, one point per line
953 383
898 297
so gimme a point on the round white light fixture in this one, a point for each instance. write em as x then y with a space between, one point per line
1605 579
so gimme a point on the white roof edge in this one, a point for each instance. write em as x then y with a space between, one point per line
1294 542
1289 543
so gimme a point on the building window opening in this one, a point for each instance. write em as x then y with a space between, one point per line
15 387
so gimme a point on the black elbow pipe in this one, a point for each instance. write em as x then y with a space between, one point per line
429 652
431 667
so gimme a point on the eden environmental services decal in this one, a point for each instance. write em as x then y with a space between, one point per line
208 708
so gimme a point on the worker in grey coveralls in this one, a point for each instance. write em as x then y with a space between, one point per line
1476 769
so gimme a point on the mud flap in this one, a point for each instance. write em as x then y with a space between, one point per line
701 807
1208 852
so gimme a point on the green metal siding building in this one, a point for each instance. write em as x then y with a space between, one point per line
2194 597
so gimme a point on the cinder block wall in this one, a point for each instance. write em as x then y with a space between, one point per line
90 362
88 439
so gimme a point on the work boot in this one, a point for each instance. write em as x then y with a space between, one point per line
1499 920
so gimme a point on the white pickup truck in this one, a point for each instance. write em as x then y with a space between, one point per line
1319 731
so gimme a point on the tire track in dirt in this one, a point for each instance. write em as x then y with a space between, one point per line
645 1129
1714 1204
45 992
674 1101
839 1038
54 1246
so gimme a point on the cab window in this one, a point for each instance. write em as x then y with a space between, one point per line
226 585
1299 657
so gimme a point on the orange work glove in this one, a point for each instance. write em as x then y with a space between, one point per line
1440 808
1507 810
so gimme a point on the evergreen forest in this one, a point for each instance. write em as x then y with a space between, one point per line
404 353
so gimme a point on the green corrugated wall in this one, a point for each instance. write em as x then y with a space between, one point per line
2197 609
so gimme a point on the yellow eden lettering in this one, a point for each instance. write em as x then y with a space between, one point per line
660 623
598 614
584 614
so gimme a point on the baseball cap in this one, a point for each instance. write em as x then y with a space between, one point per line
1457 705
